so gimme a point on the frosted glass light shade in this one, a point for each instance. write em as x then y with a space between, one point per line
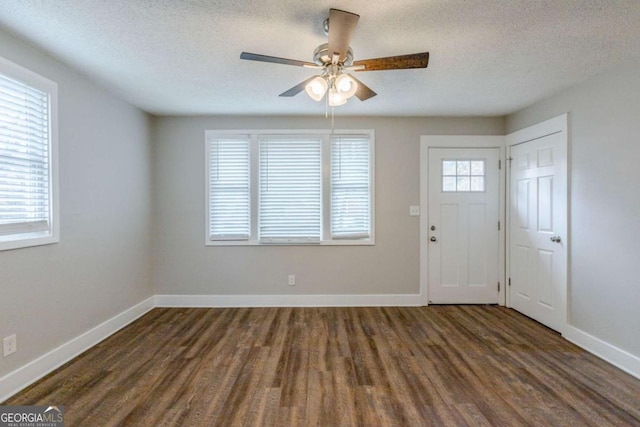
316 88
346 85
336 98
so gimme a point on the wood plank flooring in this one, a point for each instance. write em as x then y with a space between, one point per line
384 366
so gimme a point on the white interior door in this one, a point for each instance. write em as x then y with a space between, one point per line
538 229
463 225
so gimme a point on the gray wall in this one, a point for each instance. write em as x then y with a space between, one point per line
604 129
51 294
183 265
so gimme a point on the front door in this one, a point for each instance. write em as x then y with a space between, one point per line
538 229
463 225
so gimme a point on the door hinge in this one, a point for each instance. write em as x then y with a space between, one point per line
499 164
510 159
509 281
498 286
498 225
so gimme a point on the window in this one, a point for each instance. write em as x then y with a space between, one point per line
28 193
350 202
463 175
229 197
289 187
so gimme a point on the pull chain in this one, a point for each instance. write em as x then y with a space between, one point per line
326 106
332 122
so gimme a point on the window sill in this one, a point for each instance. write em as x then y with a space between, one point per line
368 242
27 240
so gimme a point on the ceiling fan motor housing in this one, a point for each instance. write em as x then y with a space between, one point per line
322 56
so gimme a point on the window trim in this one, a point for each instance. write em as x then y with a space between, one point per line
325 134
38 238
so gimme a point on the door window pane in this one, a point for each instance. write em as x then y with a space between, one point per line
477 183
477 167
463 183
448 167
463 168
449 183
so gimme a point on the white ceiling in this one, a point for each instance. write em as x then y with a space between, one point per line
487 57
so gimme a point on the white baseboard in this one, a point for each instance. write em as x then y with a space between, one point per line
22 377
287 300
610 353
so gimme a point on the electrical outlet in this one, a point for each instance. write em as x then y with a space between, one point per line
9 345
414 210
292 280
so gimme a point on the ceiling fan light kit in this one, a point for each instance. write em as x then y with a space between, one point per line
346 85
335 59
340 87
316 88
336 98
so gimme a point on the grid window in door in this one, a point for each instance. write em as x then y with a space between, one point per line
463 175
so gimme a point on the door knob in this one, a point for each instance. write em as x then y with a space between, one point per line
555 239
433 239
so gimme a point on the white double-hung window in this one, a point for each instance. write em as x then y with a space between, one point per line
28 193
290 187
229 190
350 187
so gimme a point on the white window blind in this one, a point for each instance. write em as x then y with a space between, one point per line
290 197
350 192
229 189
25 184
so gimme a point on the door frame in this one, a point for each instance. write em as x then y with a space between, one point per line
558 124
458 141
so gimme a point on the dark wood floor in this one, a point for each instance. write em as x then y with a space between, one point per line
437 365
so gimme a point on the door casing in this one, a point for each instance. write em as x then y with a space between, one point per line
457 141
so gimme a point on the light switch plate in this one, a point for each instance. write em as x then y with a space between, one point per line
414 210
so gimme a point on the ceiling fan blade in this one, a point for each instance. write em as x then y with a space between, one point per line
364 92
341 27
297 88
275 59
401 62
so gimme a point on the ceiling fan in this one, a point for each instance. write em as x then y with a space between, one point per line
335 60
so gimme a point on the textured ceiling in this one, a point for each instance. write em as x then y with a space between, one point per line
488 57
